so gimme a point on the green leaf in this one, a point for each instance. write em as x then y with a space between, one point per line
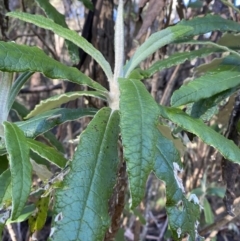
209 23
47 152
5 180
182 214
206 108
21 110
20 167
139 115
38 219
66 34
58 100
88 4
21 58
83 203
16 87
230 40
59 18
153 43
53 141
177 58
26 212
218 191
217 81
46 121
3 163
226 147
209 218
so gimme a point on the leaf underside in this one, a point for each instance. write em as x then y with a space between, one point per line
83 202
58 100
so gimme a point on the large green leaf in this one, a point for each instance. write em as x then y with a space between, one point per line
47 152
196 126
49 119
139 115
155 41
20 167
208 23
217 81
59 18
83 203
21 58
182 213
16 87
58 100
5 180
175 59
66 34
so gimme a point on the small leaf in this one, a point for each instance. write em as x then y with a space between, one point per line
46 121
21 58
5 180
59 18
209 218
38 219
153 43
21 110
26 212
139 115
223 78
58 100
41 171
225 146
83 203
20 167
66 34
47 152
217 191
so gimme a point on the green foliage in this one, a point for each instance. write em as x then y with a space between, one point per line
90 181
82 200
20 167
20 58
66 34
58 100
59 18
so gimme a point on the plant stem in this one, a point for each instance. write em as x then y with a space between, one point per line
6 84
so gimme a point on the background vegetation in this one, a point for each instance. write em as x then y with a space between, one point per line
202 164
